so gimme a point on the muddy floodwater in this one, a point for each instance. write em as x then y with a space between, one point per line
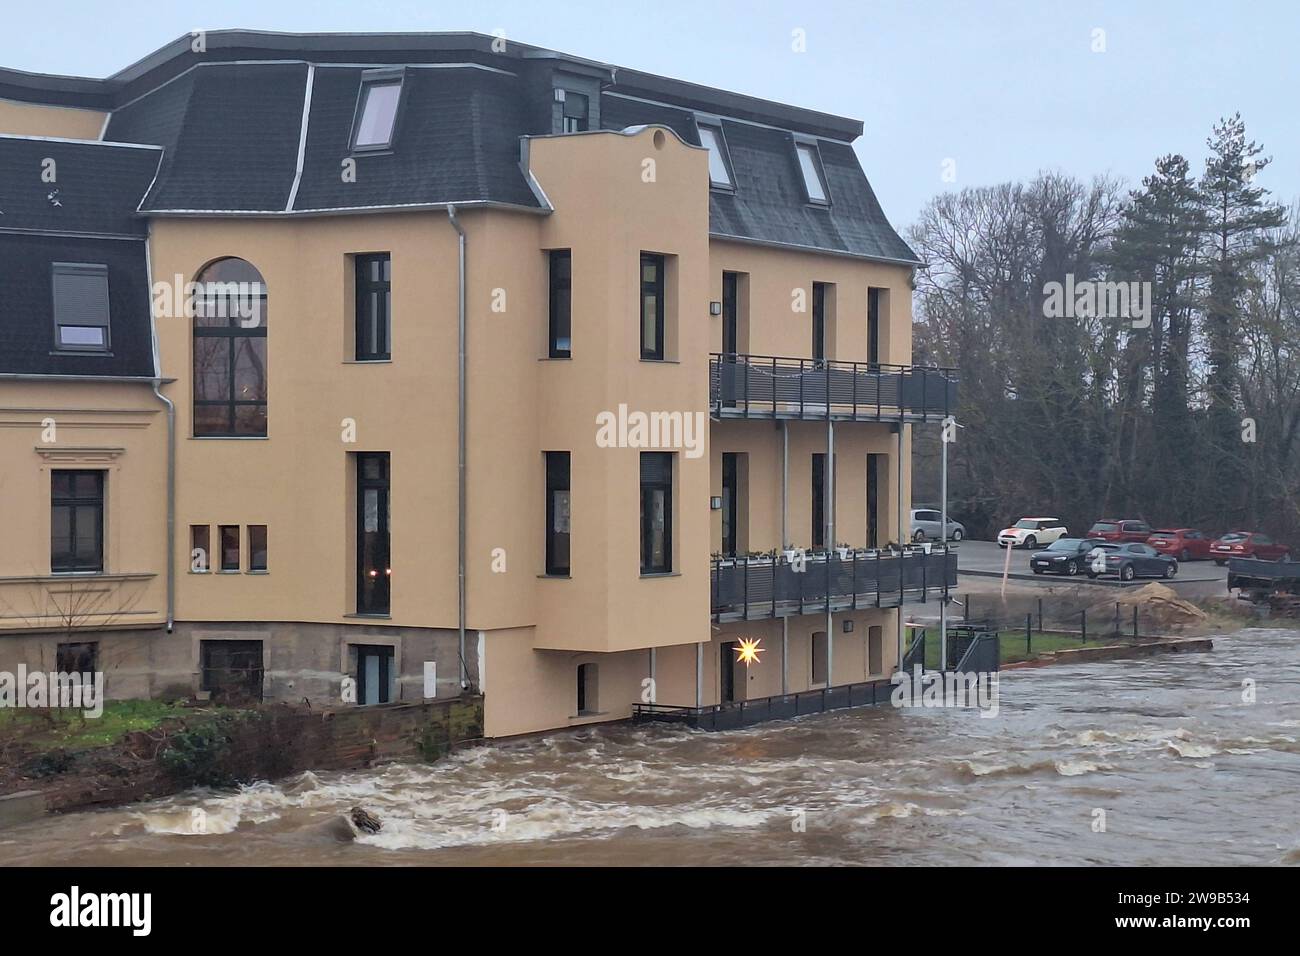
1184 770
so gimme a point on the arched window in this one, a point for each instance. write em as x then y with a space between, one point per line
230 351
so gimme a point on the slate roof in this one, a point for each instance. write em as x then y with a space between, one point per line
229 119
98 187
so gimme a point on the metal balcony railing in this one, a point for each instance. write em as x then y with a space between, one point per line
760 587
769 386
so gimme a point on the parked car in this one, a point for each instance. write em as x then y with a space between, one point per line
1248 544
926 524
1130 560
1064 556
1185 544
1031 532
1120 529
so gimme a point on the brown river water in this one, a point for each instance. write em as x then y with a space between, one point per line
1185 771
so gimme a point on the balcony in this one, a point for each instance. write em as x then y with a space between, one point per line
772 586
768 386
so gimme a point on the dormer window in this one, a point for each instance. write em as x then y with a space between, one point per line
376 115
577 108
711 138
80 307
814 177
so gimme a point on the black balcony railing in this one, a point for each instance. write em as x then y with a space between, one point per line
768 386
747 588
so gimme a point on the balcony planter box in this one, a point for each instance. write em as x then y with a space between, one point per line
790 554
843 553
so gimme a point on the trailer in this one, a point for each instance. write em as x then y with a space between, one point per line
1272 583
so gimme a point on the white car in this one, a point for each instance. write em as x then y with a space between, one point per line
1031 532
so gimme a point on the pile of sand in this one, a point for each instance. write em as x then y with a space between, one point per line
1158 606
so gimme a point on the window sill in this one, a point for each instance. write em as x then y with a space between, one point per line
556 577
362 616
373 361
257 571
83 353
660 574
556 358
229 437
229 571
662 361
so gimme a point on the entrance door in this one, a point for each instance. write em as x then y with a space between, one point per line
374 674
727 670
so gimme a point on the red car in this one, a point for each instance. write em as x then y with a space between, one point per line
1248 544
1118 530
1185 544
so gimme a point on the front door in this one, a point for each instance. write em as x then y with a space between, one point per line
374 674
727 671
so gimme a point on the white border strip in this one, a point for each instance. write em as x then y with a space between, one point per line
302 137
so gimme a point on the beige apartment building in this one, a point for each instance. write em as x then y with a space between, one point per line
374 368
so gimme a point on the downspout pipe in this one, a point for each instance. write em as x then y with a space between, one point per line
461 488
171 503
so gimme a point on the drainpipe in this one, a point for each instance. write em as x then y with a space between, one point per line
460 449
171 503
943 537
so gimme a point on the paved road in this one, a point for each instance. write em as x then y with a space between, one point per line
986 559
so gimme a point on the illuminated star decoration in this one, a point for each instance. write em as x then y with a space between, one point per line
748 650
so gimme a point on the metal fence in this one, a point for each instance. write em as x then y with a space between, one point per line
767 385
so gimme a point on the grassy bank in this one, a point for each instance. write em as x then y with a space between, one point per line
73 730
1012 646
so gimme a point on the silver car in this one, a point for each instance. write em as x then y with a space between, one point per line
926 526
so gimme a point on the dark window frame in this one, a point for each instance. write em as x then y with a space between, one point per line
79 270
819 169
819 322
557 284
69 560
254 530
730 503
381 599
364 320
232 332
369 80
724 153
222 565
559 478
649 486
581 121
656 287
206 546
819 500
388 692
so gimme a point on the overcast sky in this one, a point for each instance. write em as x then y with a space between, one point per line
1000 88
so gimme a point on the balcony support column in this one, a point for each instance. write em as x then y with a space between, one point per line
785 484
785 655
902 538
943 537
654 688
830 542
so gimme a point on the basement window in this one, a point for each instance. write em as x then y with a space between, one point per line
80 307
711 138
814 176
588 688
376 115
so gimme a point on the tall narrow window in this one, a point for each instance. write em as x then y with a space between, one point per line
229 547
230 383
873 326
814 181
652 306
730 314
819 322
727 672
200 548
80 307
76 521
588 689
819 500
257 547
719 170
730 507
576 111
557 513
561 282
376 115
875 650
656 512
374 571
873 500
374 275
819 675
